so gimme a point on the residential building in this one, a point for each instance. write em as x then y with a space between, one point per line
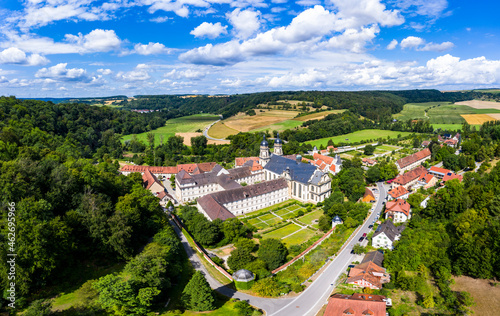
399 192
357 304
368 274
451 176
368 197
151 182
412 161
368 162
399 211
238 201
386 234
426 143
438 172
408 179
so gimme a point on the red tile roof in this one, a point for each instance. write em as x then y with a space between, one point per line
397 192
406 161
241 161
153 169
326 159
398 205
149 179
411 175
453 176
357 304
439 170
427 178
332 168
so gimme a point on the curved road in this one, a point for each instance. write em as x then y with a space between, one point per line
316 295
205 132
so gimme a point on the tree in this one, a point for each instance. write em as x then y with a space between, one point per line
358 249
369 150
373 174
198 145
272 252
240 257
39 308
197 295
233 229
325 223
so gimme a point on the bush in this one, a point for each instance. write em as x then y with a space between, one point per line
300 213
297 288
243 308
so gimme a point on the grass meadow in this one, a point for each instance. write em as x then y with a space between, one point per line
358 136
186 124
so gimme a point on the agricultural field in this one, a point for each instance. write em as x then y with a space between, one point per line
494 91
478 118
358 136
263 120
186 124
478 104
486 294
444 112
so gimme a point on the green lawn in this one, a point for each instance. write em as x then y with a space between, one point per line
299 237
258 223
282 232
388 147
359 136
186 124
442 113
309 217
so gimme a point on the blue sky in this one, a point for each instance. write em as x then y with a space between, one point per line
80 48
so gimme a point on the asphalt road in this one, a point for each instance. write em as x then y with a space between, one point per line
316 295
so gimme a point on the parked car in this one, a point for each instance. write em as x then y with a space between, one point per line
350 266
361 238
371 226
364 235
352 251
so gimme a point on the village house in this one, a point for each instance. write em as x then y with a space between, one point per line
399 192
408 179
438 172
413 161
369 273
357 304
399 211
386 234
167 172
451 176
368 197
426 181
368 162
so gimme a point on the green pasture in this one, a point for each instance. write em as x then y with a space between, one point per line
186 124
358 136
442 113
282 232
299 237
387 147
281 126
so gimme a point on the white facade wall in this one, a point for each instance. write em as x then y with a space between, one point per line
305 193
257 202
191 192
381 241
397 217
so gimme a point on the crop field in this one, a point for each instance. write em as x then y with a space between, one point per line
445 112
478 104
310 217
494 91
478 118
317 116
283 231
358 136
299 237
220 130
186 124
486 294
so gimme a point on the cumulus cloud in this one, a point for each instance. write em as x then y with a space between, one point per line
96 41
210 30
14 55
432 9
191 74
245 23
151 49
105 71
392 44
363 12
59 72
140 73
420 44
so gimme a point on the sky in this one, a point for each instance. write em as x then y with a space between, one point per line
86 48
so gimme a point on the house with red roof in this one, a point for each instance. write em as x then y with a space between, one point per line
327 163
399 210
358 304
407 180
438 172
412 161
399 192
368 162
368 274
451 176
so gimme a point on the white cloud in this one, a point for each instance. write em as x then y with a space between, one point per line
364 12
140 73
420 44
151 49
105 71
392 44
161 19
210 30
432 9
353 40
192 74
61 73
412 42
96 41
245 23
14 55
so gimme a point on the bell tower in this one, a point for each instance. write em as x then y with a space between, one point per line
264 152
278 146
